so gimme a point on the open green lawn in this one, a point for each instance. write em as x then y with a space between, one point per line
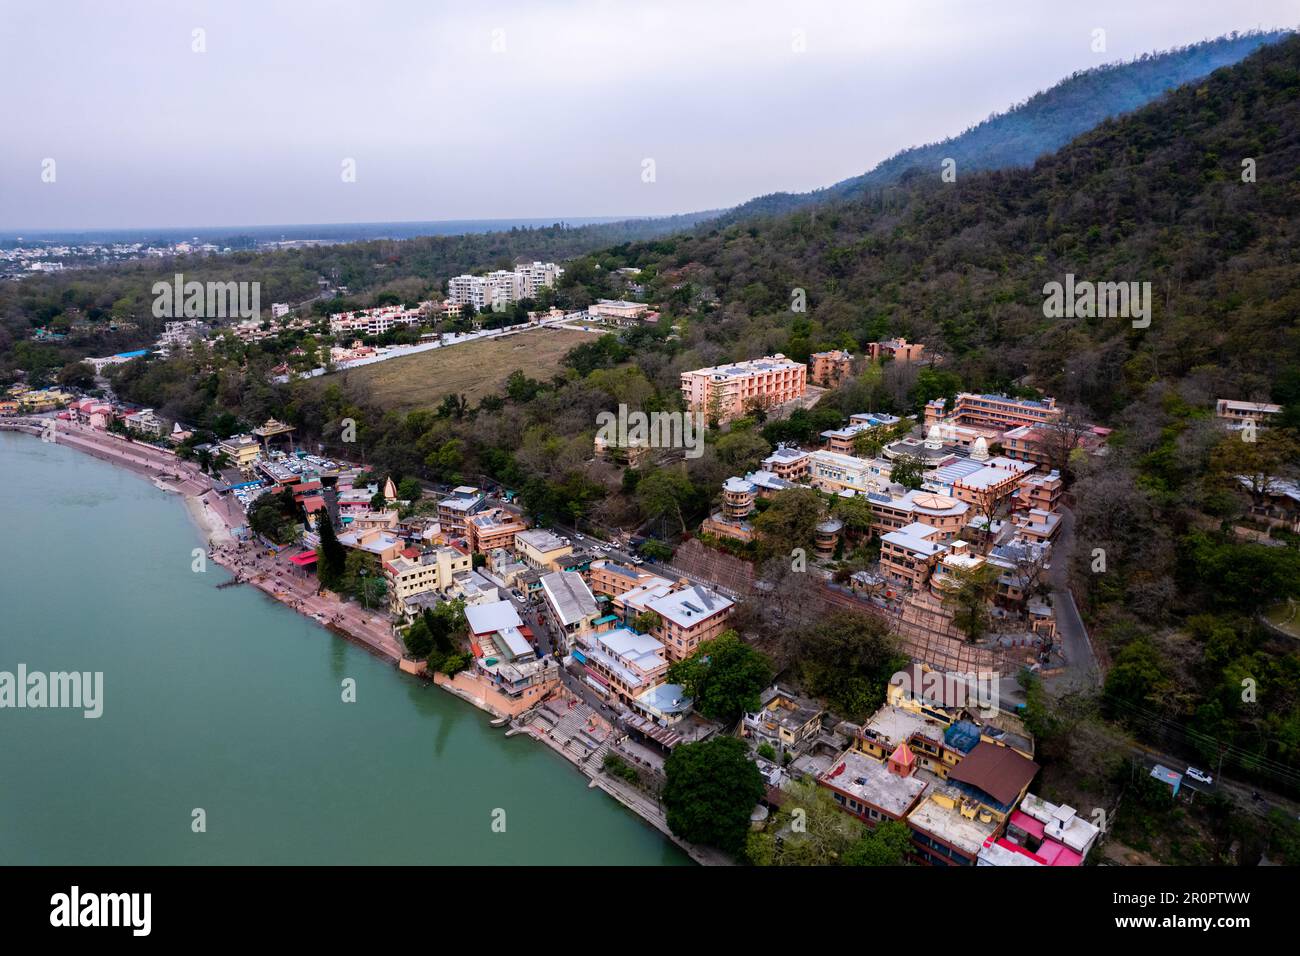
473 369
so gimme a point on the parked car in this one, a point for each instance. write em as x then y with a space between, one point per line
1200 775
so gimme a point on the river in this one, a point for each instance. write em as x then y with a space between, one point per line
227 702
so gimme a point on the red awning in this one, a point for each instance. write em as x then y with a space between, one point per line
304 559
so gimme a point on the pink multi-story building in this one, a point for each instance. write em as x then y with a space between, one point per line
830 369
992 410
726 390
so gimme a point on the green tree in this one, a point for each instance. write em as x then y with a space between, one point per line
710 791
646 621
847 658
418 640
789 521
856 514
810 829
723 677
908 471
409 490
886 845
331 555
663 493
969 594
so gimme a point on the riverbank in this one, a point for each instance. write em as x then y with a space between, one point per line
222 699
215 519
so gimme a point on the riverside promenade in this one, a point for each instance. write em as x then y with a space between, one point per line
217 518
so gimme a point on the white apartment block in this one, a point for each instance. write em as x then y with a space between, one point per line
502 286
538 276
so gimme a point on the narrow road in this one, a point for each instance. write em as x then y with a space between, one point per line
1082 671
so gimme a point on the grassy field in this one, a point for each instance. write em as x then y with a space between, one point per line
473 369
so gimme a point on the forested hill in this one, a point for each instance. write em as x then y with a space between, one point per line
1042 124
1154 196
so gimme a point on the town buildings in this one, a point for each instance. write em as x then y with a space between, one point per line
242 450
947 769
375 321
836 472
621 663
500 288
998 411
830 369
617 311
726 392
788 463
898 350
455 510
145 422
542 549
1236 413
688 617
861 426
493 528
571 605
421 571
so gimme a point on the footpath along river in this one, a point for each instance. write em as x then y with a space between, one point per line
225 701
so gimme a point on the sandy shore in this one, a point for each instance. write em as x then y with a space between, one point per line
209 524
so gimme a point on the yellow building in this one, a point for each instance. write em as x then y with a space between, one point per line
242 450
416 572
541 549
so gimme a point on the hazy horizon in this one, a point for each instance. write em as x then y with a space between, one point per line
511 111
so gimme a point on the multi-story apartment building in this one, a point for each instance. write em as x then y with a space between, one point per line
1238 413
145 422
374 321
864 423
613 579
1041 491
468 290
688 617
621 662
872 790
503 286
536 276
570 603
455 510
541 549
830 369
791 464
943 512
417 571
997 411
900 350
993 483
909 555
724 391
835 472
242 450
493 528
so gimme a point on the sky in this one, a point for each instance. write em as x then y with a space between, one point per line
484 109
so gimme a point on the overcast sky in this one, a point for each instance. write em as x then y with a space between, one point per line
528 108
